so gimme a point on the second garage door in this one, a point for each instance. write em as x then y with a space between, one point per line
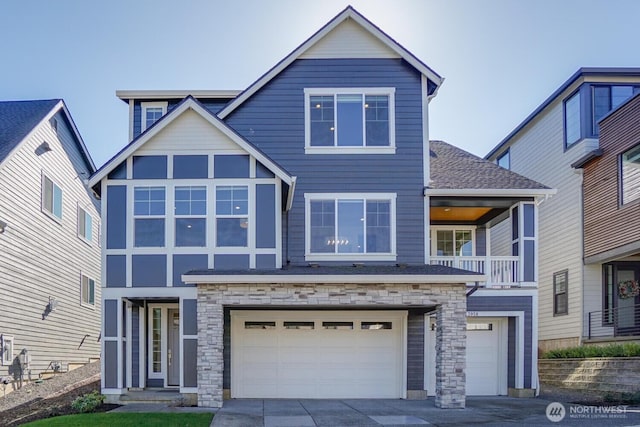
318 354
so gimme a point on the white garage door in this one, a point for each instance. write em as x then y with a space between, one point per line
486 369
318 354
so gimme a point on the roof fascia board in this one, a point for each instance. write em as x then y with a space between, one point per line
490 192
125 95
189 103
334 278
349 12
83 147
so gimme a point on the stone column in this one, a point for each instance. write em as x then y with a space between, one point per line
451 349
210 346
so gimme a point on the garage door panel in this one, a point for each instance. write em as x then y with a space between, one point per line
335 359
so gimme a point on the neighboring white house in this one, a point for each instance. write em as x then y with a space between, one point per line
50 300
549 146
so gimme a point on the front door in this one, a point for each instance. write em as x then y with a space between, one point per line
173 347
628 308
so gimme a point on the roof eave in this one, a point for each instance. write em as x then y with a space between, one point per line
511 192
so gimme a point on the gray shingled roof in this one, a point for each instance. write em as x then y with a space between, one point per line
322 270
17 118
453 168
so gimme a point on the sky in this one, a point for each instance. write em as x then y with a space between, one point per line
500 58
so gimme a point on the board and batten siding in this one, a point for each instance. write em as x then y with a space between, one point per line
273 120
43 258
608 224
538 153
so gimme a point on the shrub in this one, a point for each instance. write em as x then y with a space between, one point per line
582 352
88 403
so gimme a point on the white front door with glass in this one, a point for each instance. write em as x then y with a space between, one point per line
163 345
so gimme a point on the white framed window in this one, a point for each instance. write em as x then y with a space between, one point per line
51 198
630 175
350 226
349 120
190 216
504 160
232 215
7 350
87 291
85 225
151 113
149 216
450 241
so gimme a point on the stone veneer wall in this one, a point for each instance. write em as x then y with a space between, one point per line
606 374
449 299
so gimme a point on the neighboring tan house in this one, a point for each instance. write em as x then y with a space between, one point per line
549 146
611 188
303 238
49 243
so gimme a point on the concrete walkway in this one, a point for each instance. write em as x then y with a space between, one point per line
486 411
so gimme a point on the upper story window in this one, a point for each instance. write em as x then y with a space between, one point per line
85 225
504 160
51 197
149 213
572 120
232 215
350 120
190 216
87 291
606 98
151 113
630 175
350 226
453 242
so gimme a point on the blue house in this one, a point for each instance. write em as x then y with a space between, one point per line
303 238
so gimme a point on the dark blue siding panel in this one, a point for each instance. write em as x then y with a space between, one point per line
119 172
262 171
266 216
415 350
226 350
116 271
110 364
149 270
135 346
110 313
510 303
214 105
189 317
231 166
481 242
511 367
231 262
265 261
273 120
149 167
529 260
124 366
185 167
185 263
190 362
116 217
137 118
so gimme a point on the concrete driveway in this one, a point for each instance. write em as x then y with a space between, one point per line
487 411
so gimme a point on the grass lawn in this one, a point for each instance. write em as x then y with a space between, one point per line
127 419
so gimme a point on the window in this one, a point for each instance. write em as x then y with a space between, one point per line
85 226
504 161
606 98
375 325
232 215
87 291
151 113
351 227
149 212
7 350
453 243
608 294
190 212
51 197
630 175
560 295
349 120
572 122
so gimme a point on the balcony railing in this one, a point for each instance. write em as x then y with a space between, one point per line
616 322
501 271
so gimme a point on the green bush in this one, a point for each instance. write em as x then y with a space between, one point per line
88 403
582 352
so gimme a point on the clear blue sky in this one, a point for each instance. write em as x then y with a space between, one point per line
500 58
